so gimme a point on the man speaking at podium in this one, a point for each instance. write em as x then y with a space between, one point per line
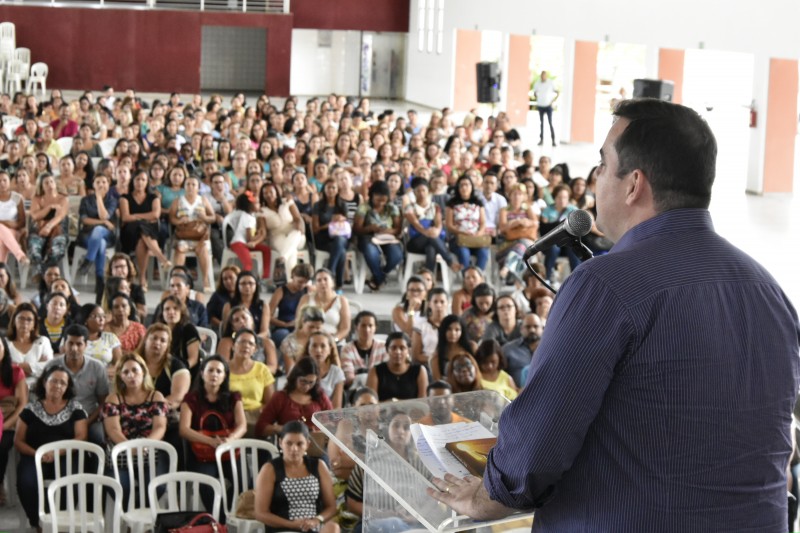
660 397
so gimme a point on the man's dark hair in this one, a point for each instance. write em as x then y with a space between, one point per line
76 330
673 146
439 385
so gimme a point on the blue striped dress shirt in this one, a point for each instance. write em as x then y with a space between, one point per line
660 397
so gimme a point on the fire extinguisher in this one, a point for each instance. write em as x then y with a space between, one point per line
753 114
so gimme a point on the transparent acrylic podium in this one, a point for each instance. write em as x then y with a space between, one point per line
377 438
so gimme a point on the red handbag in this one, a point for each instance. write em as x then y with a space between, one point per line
211 526
205 453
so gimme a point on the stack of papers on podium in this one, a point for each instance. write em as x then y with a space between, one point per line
460 448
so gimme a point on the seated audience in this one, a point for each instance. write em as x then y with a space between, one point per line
251 379
332 229
185 338
309 320
102 345
398 378
492 364
122 266
425 334
411 305
191 215
519 226
135 411
248 294
26 346
463 374
226 290
378 226
322 348
481 312
294 492
505 324
124 323
363 352
465 221
47 236
462 298
299 400
285 301
248 235
211 405
13 399
335 307
426 228
241 318
53 415
354 436
453 340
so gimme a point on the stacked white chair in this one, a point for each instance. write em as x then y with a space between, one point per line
140 463
75 515
8 34
24 55
74 453
183 493
244 469
38 77
15 70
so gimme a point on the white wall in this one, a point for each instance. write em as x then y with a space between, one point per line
766 29
324 70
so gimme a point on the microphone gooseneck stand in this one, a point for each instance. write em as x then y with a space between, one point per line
577 245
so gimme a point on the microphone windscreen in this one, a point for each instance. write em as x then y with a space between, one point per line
579 223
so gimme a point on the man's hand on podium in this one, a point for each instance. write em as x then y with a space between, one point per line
468 496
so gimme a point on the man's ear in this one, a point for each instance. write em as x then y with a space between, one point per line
637 187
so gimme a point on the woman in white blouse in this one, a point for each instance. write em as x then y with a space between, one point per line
334 307
27 348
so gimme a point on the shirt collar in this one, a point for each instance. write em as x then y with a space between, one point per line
673 221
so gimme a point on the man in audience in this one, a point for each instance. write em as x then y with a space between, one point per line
519 352
492 202
89 375
441 404
64 126
545 94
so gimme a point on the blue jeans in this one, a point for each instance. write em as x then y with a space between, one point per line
463 254
278 334
96 243
552 254
546 111
337 248
372 255
431 247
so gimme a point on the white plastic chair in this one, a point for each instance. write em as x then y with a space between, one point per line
210 335
8 32
65 143
15 73
183 493
38 77
107 146
75 516
248 465
228 255
414 259
140 471
24 55
74 455
302 257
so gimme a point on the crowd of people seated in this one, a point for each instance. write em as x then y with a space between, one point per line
188 184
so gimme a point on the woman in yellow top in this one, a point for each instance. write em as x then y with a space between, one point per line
491 363
253 380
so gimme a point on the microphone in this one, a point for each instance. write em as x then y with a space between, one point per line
577 224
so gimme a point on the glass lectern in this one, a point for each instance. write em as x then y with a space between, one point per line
378 439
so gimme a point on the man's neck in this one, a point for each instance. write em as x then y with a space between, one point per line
74 364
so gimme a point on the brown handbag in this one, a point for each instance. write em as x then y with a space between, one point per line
517 233
474 241
196 230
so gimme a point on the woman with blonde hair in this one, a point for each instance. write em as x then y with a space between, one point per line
309 320
47 241
135 411
322 348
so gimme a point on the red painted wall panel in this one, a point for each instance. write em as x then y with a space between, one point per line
367 15
147 50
